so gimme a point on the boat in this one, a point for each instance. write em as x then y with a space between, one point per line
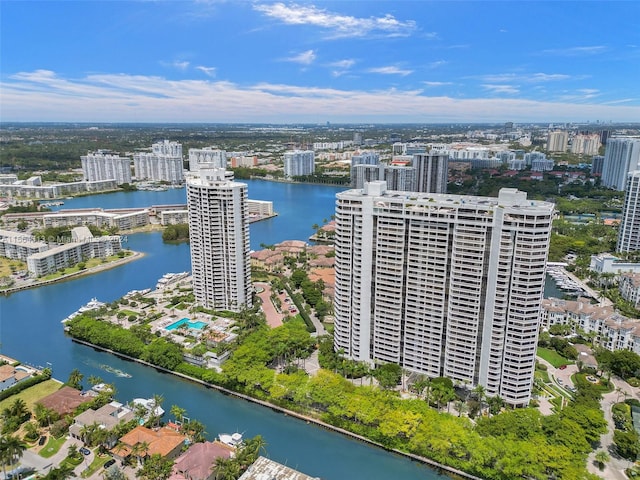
233 440
115 371
93 304
102 387
148 404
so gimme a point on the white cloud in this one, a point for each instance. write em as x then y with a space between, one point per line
209 71
575 51
390 70
437 84
339 25
347 63
437 64
180 65
523 77
508 89
42 95
304 58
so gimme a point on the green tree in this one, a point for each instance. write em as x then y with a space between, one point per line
75 379
11 450
155 468
388 375
602 457
627 443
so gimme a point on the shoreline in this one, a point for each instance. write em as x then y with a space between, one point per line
70 276
438 467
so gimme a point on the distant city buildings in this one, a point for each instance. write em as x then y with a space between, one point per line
443 285
99 166
586 144
219 239
299 163
400 177
163 164
597 162
364 168
621 156
557 141
209 156
629 231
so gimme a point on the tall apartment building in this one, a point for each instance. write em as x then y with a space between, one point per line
443 285
431 172
557 141
400 178
164 163
629 231
100 166
586 144
621 156
299 162
361 175
219 238
207 155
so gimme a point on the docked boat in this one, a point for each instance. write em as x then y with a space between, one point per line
93 304
233 440
117 372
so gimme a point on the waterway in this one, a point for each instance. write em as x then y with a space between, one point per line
30 330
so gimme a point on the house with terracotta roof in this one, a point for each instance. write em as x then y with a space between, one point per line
198 463
266 469
165 442
66 400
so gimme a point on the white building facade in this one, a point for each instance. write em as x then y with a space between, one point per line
443 285
298 163
629 230
621 156
209 156
219 239
431 172
163 164
99 166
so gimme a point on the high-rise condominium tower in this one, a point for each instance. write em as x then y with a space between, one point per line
219 237
431 172
298 162
557 141
443 285
163 164
99 166
629 233
207 155
621 156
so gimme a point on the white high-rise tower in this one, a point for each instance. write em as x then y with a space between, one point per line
443 285
219 238
621 156
629 232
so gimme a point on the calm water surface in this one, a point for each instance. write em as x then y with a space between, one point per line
30 330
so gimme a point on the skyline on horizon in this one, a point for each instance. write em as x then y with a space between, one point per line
213 61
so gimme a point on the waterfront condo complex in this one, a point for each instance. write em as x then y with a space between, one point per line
99 166
162 164
219 237
443 285
298 163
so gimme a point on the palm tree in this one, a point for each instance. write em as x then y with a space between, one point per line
11 450
157 402
75 379
227 469
31 431
602 457
178 413
479 393
140 450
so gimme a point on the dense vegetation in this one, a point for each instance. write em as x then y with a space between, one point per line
176 233
265 364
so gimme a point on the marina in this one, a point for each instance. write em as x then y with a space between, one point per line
93 304
564 282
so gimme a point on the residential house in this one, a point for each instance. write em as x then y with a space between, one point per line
199 461
106 417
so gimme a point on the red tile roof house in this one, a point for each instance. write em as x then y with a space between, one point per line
165 442
66 400
199 461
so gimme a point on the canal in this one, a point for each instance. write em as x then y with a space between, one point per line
30 330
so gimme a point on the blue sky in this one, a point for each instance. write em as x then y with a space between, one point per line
342 62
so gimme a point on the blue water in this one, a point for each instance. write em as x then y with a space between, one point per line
30 330
195 325
299 207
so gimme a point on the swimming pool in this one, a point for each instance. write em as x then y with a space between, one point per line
196 325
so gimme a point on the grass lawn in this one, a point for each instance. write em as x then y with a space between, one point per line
129 312
542 375
52 447
98 462
552 357
6 264
32 394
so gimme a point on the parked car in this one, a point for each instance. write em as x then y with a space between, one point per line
562 367
42 440
85 451
108 463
